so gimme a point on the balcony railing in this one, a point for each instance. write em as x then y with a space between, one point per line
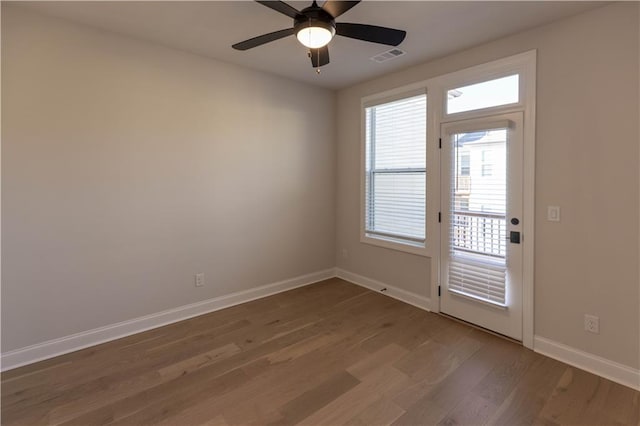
479 233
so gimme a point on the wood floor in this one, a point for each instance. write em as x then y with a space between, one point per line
331 353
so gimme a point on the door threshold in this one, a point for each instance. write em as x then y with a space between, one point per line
486 330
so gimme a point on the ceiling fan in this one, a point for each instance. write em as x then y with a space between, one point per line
315 26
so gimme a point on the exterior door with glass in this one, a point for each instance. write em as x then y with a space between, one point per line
481 253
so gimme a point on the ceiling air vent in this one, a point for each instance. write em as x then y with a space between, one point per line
389 54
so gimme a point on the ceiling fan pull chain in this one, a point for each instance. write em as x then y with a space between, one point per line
310 55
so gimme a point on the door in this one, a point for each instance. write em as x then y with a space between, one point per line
481 254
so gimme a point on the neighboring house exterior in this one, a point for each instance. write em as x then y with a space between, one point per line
479 193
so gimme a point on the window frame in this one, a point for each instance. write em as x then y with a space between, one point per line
390 242
436 88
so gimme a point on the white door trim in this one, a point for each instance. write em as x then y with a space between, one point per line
525 65
505 319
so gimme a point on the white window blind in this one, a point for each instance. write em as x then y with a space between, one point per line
480 280
477 228
395 199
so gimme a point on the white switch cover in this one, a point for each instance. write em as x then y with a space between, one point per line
553 213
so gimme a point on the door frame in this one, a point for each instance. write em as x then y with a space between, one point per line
501 319
525 65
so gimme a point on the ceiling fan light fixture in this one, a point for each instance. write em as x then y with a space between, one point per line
315 33
314 37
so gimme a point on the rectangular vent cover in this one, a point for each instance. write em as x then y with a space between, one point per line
389 54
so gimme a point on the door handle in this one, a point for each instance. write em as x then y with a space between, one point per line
514 237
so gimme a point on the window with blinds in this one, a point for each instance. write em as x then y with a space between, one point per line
478 228
395 163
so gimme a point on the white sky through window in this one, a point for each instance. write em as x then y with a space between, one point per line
501 91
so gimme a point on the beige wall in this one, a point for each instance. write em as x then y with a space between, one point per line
128 167
587 162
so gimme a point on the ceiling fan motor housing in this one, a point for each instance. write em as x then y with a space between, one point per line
314 17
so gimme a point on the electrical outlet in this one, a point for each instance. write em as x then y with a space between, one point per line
592 324
345 253
199 279
553 213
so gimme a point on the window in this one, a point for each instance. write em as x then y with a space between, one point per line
461 203
487 165
395 170
465 164
492 93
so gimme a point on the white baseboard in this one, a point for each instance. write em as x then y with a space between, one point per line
608 369
611 370
414 299
74 342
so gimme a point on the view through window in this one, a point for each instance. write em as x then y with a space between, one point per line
491 93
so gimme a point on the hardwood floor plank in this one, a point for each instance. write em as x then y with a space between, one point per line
580 398
501 381
316 398
122 407
181 397
430 364
442 398
622 406
531 393
385 356
381 412
433 361
485 398
341 410
217 421
201 360
331 353
471 410
117 366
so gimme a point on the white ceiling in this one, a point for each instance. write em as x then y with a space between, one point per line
209 28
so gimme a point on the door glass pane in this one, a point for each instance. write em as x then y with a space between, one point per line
492 93
478 229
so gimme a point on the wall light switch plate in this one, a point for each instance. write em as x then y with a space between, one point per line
553 213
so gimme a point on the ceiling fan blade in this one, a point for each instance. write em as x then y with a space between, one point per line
319 57
371 33
263 39
338 7
280 6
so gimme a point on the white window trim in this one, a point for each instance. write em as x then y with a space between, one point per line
517 64
436 88
380 241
